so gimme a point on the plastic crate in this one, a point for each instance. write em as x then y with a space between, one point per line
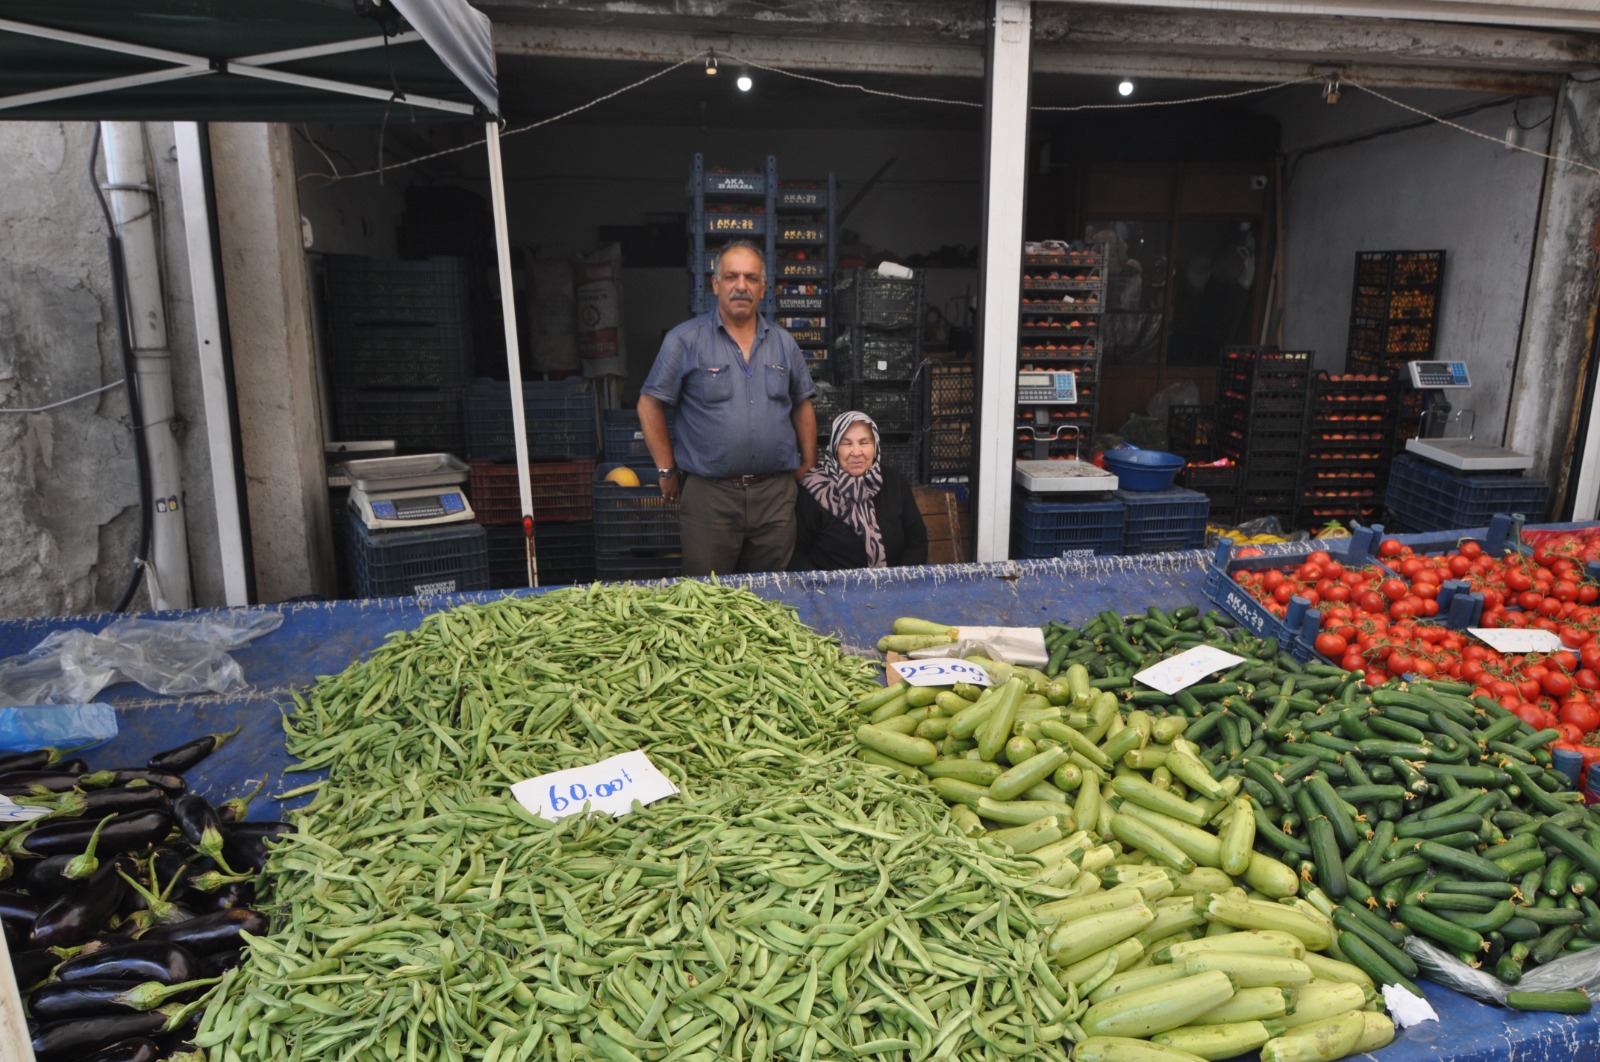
417 421
364 291
447 559
1424 497
709 181
1296 630
1044 528
730 224
1163 520
951 389
622 439
631 567
424 357
801 231
949 448
866 298
560 420
1206 478
1279 401
877 355
790 268
565 555
1191 430
890 408
561 491
900 454
802 195
830 400
630 519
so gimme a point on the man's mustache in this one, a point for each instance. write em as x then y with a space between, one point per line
740 296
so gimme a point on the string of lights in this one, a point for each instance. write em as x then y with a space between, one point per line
711 60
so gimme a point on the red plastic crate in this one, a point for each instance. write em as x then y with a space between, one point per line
562 491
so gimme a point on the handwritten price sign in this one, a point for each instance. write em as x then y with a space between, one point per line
941 671
1517 640
610 786
1185 669
10 812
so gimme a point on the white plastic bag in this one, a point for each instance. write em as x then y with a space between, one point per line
1580 969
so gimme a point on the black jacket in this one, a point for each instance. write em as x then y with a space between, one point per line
824 542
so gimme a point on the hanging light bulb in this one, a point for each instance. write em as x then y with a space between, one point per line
744 83
711 64
1125 87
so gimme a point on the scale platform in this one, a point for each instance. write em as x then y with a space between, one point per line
1062 477
1469 455
419 490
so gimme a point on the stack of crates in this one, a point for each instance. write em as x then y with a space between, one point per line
1063 295
1159 521
446 559
1394 319
1262 400
563 520
636 532
949 445
879 348
560 418
1423 496
807 240
622 442
1192 435
1349 443
728 205
399 350
1055 525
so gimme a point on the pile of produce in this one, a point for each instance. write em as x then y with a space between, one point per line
790 902
127 900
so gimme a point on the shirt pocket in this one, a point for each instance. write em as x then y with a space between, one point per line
713 383
777 374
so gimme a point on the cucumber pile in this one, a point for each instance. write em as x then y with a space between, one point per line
1359 815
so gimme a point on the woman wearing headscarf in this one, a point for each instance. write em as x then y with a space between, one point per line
852 512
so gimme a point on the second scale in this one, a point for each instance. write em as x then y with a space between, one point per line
420 490
1056 475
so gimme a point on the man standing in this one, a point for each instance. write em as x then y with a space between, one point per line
745 430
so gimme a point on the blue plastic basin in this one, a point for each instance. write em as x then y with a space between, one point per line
1143 469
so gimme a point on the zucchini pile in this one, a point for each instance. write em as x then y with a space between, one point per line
125 902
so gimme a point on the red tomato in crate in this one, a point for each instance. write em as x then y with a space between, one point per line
1581 714
1390 547
1330 645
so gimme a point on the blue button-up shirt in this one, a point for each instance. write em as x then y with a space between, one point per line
732 417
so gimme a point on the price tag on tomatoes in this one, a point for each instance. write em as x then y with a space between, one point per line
1517 639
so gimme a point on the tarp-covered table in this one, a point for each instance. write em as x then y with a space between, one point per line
857 607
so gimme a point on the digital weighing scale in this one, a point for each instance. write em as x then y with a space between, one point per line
1062 476
421 490
1047 388
1462 454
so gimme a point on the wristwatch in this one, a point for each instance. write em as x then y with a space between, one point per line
666 473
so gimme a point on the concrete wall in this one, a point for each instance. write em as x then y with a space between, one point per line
68 518
1425 188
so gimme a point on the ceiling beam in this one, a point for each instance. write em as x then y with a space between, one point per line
1576 16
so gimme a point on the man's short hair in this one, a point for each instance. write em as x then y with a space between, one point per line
744 245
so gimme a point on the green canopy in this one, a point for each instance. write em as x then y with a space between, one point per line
245 60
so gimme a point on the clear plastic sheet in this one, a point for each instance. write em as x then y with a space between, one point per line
164 656
1579 969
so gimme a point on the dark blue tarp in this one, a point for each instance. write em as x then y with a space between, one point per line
857 607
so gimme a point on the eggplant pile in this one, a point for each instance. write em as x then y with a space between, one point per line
125 902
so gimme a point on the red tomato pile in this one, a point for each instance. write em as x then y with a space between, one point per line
1326 582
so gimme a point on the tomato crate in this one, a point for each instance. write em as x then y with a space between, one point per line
949 448
364 291
565 554
561 491
1276 368
1163 520
1068 349
1191 431
627 519
951 389
797 304
560 420
1044 527
1425 497
891 408
800 195
801 230
417 421
1064 328
1346 457
795 268
1205 477
1296 630
730 223
445 559
704 180
1284 401
1256 504
866 298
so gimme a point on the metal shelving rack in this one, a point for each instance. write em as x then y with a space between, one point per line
1063 295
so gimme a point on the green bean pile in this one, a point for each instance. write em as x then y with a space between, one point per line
791 902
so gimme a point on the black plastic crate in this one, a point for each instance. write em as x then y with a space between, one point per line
1206 478
446 559
899 452
830 400
395 357
417 421
1255 506
712 181
803 195
565 555
1426 497
878 355
622 439
866 298
631 519
365 291
1158 521
949 447
952 389
747 221
636 567
558 490
560 420
1041 527
1191 430
891 408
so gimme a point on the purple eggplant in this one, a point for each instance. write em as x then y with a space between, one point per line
137 1049
29 783
124 833
18 912
139 960
197 821
97 803
206 934
218 963
31 967
182 757
33 760
60 1000
246 844
70 1040
237 808
83 912
47 878
171 783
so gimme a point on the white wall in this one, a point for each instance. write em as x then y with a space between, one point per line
1427 188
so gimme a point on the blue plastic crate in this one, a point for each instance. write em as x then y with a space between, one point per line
622 440
632 519
565 553
417 421
1425 497
1163 520
1045 528
560 420
363 291
446 559
425 357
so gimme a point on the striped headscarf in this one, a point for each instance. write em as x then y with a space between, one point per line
848 497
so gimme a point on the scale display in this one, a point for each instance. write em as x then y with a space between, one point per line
1438 375
1048 388
417 507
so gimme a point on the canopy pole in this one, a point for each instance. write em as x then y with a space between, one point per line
508 310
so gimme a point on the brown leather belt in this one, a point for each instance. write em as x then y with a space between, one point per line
744 481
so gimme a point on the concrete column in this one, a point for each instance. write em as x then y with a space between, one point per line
274 362
1558 315
1004 188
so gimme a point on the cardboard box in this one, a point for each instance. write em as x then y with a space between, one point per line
945 519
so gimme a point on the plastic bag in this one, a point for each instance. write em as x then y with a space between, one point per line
1580 969
37 726
1183 393
1147 433
164 656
